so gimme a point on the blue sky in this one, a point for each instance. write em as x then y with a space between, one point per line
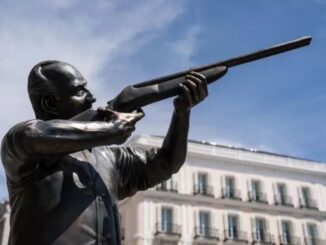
274 105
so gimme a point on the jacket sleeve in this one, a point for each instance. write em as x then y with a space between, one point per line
139 169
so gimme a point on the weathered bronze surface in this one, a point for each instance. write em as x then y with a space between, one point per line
64 180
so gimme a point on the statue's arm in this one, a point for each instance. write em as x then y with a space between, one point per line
56 137
139 169
174 148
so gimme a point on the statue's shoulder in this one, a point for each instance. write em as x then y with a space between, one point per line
11 142
18 128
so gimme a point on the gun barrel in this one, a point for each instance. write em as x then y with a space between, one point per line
274 50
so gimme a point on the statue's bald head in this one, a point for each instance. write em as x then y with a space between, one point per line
53 85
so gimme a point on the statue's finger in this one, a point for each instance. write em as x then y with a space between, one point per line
199 86
192 87
203 80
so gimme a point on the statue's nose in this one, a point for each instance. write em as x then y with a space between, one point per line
90 98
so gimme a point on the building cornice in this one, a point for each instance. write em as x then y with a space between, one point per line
240 156
234 204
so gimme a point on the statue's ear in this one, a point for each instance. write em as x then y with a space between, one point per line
48 104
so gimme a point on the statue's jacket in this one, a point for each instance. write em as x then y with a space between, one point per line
72 199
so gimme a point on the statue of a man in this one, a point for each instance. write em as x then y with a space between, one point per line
63 179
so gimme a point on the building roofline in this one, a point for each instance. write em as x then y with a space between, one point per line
245 149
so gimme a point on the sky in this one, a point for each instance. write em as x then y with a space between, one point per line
274 105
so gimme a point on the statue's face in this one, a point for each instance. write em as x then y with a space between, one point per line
73 95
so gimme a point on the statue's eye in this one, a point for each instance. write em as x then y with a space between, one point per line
80 92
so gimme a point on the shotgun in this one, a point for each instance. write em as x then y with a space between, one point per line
141 94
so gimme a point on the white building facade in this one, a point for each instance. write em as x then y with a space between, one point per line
226 195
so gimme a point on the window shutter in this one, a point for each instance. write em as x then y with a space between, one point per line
240 224
158 213
274 192
248 188
293 228
196 219
253 225
225 222
175 216
279 226
223 184
304 229
195 181
300 196
318 233
267 225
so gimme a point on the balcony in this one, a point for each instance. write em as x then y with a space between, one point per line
262 237
167 229
170 186
283 201
314 241
257 197
206 233
235 236
289 240
308 203
204 190
231 194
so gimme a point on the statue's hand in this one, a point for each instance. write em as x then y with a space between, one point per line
124 122
193 91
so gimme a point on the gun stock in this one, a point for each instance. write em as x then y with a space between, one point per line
142 94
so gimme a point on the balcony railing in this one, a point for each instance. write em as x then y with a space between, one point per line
231 194
283 201
314 241
308 203
289 240
170 186
257 197
235 235
205 190
167 229
262 237
206 232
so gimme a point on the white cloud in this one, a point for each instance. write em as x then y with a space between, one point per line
187 44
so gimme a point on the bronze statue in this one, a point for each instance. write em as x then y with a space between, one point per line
64 180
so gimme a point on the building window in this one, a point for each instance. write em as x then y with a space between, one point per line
204 228
256 187
260 231
287 236
281 197
166 225
256 194
286 232
167 220
305 200
260 228
168 185
312 236
230 191
233 232
233 225
202 182
202 187
204 223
